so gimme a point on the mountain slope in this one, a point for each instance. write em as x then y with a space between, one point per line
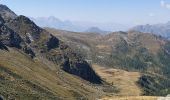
43 43
25 78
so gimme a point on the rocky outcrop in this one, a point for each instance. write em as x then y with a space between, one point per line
24 26
1 98
82 69
52 43
9 37
76 65
6 13
29 51
2 46
1 20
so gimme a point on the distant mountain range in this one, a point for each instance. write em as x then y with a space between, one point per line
158 29
54 22
76 26
96 30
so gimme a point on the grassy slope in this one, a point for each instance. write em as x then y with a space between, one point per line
24 78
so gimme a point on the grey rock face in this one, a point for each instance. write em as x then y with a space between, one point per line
6 13
9 37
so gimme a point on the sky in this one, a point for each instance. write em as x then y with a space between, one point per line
103 11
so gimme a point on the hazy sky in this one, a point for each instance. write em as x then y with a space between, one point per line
116 11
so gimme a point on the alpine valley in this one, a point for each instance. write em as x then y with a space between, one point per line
49 64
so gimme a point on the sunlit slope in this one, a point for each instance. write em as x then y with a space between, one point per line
126 82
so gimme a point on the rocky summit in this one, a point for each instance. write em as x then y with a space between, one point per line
6 13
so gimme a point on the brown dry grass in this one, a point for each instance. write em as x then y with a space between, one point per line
103 47
123 80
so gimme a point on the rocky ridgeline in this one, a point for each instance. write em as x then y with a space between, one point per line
6 13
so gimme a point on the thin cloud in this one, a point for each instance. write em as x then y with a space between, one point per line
165 5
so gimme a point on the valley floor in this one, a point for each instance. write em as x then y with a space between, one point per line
124 81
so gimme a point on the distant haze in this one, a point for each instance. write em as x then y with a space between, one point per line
77 26
109 15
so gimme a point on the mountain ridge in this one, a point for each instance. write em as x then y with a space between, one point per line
157 29
6 13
